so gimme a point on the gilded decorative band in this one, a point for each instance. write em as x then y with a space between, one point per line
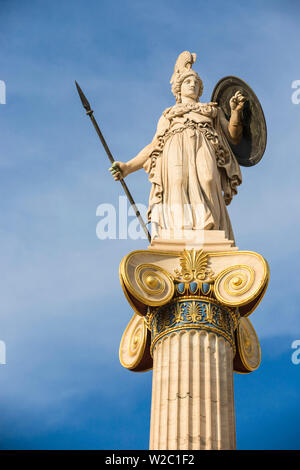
190 312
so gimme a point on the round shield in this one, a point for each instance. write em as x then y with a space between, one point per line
253 144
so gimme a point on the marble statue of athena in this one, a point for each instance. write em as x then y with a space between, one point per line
192 290
192 169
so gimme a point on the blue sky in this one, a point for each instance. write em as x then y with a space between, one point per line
62 309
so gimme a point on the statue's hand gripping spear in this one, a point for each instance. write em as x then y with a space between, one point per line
89 112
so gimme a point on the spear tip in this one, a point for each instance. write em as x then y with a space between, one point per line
83 98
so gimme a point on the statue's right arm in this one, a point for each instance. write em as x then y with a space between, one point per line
121 169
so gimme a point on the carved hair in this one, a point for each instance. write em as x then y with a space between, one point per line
182 70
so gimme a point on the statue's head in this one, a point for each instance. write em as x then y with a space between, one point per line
184 76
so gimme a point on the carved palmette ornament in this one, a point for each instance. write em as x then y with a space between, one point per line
194 266
134 352
248 352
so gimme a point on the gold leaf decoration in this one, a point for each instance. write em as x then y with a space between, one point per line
193 266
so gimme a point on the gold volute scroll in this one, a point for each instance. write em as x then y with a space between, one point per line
134 347
145 284
242 285
248 353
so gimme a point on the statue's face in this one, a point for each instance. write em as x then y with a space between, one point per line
190 87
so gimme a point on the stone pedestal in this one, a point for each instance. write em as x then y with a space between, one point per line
207 240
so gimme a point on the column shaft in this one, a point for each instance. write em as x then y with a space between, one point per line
192 392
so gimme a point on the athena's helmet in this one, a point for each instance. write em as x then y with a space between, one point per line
182 70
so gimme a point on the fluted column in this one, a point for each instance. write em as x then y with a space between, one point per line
192 391
191 327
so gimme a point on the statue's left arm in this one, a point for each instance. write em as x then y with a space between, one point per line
234 128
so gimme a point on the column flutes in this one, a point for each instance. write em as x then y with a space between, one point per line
192 392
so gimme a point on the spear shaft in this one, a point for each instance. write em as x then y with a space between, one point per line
89 112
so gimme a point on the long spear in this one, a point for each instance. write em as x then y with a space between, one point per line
89 112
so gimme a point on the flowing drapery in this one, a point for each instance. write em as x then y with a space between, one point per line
193 171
